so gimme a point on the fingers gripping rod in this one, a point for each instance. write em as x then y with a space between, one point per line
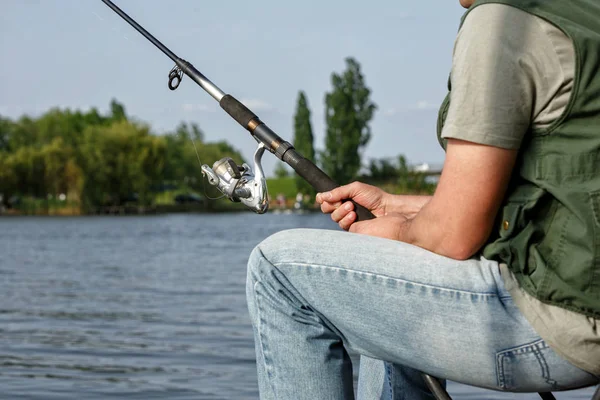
261 133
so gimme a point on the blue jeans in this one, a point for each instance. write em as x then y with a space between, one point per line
313 294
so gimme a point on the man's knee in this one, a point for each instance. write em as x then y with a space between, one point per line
283 243
265 252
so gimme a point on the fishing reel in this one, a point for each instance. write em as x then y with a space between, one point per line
239 183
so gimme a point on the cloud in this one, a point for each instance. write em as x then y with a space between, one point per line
422 105
390 112
189 107
4 110
426 105
257 105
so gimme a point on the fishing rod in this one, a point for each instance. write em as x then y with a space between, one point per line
239 183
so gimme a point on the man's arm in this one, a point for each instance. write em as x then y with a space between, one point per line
459 218
406 204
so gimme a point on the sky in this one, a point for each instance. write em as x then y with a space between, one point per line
79 54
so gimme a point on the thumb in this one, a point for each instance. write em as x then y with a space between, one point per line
360 226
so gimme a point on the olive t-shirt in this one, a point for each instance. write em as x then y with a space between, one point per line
505 81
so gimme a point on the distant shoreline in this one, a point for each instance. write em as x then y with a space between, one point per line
152 210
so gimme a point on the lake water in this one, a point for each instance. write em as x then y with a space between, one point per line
137 307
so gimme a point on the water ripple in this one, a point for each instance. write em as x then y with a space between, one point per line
134 307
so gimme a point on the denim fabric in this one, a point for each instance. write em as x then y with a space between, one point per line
313 294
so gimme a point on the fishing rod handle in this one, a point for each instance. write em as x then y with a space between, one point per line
238 111
319 179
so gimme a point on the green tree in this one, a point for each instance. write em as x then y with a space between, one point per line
24 133
383 170
348 113
120 161
185 132
398 177
56 156
6 127
55 124
281 171
8 178
182 163
100 159
29 169
303 140
117 111
410 181
92 117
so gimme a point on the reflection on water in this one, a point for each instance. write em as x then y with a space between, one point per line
136 307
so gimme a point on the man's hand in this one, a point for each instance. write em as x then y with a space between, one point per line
370 197
390 226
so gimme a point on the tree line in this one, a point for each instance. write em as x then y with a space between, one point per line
99 160
103 160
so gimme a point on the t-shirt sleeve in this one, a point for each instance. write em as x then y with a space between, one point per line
493 77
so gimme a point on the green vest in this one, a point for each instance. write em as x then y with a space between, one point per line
548 228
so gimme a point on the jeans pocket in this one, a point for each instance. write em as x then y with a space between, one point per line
535 367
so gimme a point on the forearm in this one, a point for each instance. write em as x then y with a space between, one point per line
440 232
407 205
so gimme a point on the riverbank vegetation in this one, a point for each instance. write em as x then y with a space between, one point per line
72 162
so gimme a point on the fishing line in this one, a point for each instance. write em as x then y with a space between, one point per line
204 175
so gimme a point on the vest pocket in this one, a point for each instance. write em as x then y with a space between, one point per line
522 204
517 227
510 219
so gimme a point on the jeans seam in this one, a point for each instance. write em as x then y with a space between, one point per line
388 370
500 371
544 366
441 288
263 346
